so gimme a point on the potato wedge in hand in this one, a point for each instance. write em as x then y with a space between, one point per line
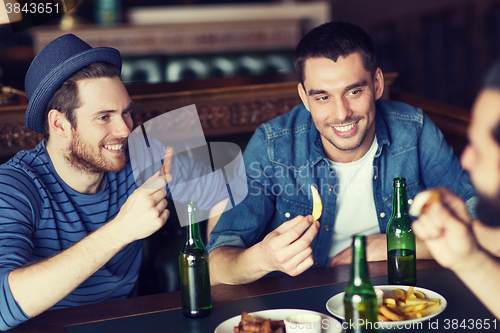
317 204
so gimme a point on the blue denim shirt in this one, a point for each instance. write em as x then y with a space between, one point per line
285 157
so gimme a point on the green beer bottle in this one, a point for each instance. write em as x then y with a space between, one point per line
193 267
360 301
401 259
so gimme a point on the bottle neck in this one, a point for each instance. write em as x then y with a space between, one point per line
192 234
399 205
359 266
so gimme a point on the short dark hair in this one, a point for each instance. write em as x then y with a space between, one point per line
332 40
66 100
492 81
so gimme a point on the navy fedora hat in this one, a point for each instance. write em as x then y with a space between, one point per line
56 62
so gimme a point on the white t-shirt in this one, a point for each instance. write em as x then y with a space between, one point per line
355 213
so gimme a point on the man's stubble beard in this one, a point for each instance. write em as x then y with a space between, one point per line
488 209
82 156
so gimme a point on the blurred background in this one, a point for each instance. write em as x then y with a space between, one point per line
439 48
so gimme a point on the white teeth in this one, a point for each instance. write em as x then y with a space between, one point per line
344 128
114 147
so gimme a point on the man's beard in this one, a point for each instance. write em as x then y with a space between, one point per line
488 209
88 159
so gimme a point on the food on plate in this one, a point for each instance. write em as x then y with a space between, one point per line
251 324
423 201
317 204
409 304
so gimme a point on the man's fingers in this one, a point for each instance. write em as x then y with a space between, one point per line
425 229
307 237
303 264
455 204
161 205
295 232
289 224
154 183
165 214
425 200
158 196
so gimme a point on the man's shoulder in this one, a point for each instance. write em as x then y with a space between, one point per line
297 120
284 140
399 111
32 163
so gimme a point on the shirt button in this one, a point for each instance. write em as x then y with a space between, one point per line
327 228
317 265
330 188
287 215
382 215
375 177
410 201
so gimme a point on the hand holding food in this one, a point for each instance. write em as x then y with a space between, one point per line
411 304
423 201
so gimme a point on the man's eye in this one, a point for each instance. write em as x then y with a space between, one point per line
323 98
126 112
354 92
103 118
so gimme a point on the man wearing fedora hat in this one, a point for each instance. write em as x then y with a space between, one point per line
71 213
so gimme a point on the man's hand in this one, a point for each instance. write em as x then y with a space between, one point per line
288 247
445 228
144 212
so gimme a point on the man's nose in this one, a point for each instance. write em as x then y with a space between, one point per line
341 110
121 128
467 158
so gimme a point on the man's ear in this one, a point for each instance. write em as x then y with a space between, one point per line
58 124
303 96
378 81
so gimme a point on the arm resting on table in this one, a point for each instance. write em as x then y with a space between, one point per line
376 250
38 287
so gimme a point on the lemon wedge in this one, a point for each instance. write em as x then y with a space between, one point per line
317 204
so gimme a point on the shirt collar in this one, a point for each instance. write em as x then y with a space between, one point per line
381 130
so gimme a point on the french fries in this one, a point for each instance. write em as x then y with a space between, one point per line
409 304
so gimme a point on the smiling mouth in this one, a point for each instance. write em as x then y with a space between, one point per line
114 147
344 128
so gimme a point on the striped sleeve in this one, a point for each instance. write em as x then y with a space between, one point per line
17 214
11 313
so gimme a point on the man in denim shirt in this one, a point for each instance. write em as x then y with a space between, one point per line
346 142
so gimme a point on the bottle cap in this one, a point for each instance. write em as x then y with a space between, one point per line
399 182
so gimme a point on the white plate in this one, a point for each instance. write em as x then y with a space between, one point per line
335 305
329 324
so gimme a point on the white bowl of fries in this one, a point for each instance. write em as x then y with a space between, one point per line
401 305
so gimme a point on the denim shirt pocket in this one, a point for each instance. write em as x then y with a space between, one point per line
287 209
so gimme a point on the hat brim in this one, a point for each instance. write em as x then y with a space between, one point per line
35 111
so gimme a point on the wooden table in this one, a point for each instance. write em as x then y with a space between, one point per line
162 312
